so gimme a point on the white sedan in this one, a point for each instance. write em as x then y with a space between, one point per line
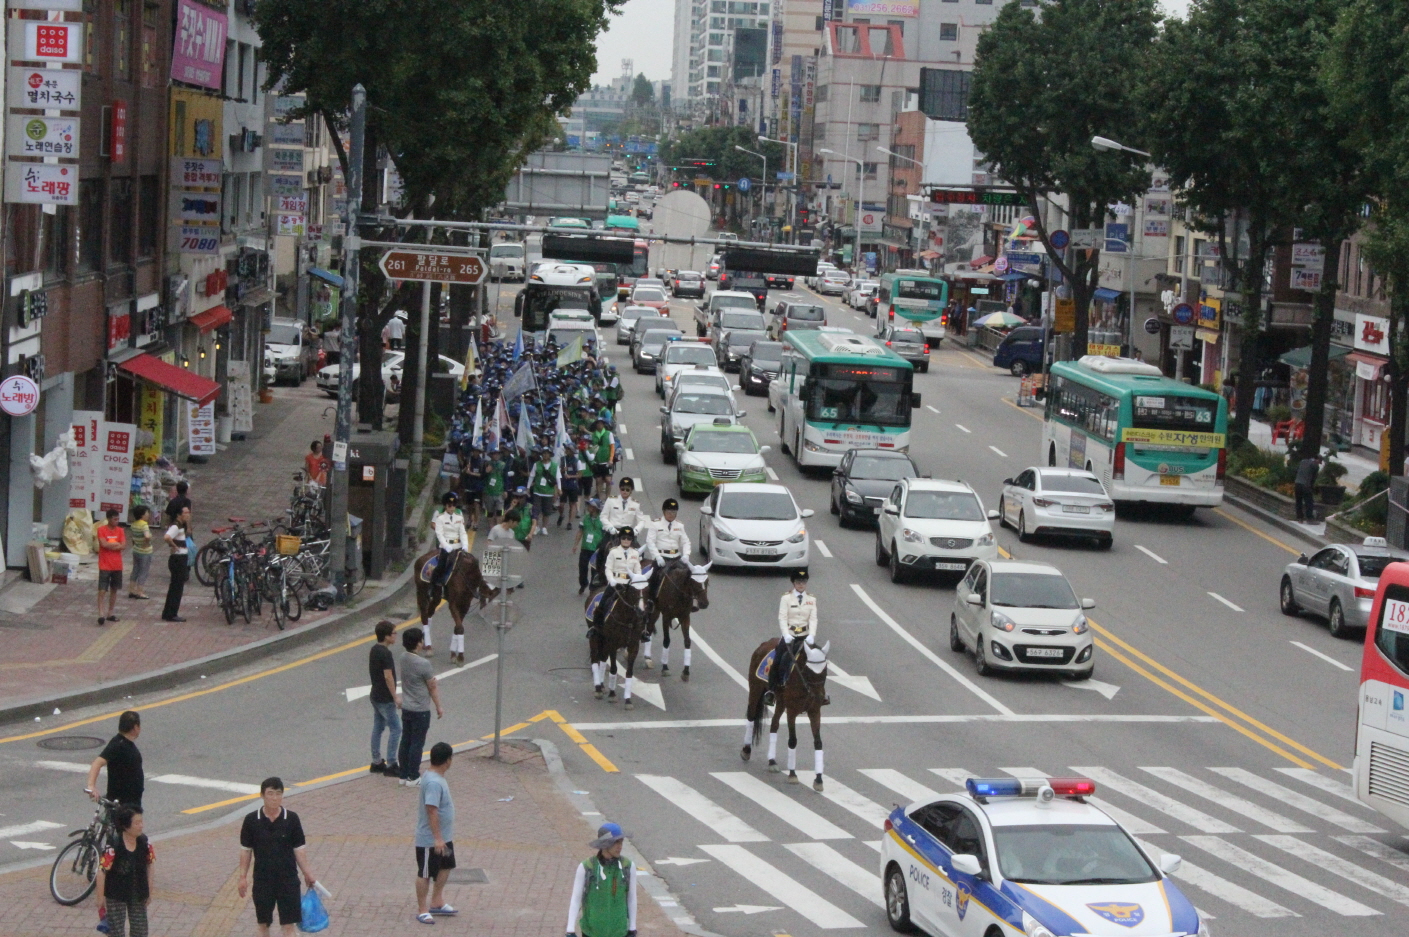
1065 502
392 362
833 283
747 524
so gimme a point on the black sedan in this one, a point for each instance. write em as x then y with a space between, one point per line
759 366
864 479
778 281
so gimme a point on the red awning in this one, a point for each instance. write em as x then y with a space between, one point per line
980 261
179 381
212 319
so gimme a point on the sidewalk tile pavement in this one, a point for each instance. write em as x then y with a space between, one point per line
360 847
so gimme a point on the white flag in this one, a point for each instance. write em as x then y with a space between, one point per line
525 437
477 434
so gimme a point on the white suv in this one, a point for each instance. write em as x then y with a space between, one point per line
929 524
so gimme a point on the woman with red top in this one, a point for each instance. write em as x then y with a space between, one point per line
124 876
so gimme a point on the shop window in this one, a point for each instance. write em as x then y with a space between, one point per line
122 208
90 225
148 216
55 232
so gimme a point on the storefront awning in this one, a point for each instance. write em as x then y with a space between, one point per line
929 255
212 319
980 261
1104 295
327 276
1367 367
1301 357
169 377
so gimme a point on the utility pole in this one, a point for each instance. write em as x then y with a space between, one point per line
418 430
342 432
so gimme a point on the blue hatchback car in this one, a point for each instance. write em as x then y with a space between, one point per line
1020 351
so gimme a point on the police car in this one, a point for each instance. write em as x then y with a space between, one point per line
1026 856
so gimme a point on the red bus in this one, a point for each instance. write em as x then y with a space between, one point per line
1382 728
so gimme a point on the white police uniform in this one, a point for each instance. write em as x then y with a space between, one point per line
622 563
450 532
668 540
797 615
619 512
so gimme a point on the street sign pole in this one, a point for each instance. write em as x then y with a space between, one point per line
342 432
418 430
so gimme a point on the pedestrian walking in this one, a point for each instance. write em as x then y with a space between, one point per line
571 492
603 902
111 539
272 837
543 484
1304 488
177 564
589 538
435 837
523 529
315 466
494 488
124 879
179 502
418 692
331 344
123 759
472 486
395 332
141 533
381 667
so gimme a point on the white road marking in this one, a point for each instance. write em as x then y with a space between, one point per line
748 909
777 884
697 805
186 780
1326 657
675 861
955 776
771 474
1152 555
934 658
861 685
781 805
1236 608
1300 801
1220 887
359 692
1328 784
1371 847
825 859
1108 690
650 692
622 427
1338 866
73 766
927 719
963 427
930 409
1282 878
1231 802
724 665
630 456
1132 823
26 844
848 799
24 829
1153 798
898 782
822 548
999 451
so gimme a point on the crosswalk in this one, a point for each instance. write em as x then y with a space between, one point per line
1266 844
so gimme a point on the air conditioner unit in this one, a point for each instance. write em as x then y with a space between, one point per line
838 343
1105 365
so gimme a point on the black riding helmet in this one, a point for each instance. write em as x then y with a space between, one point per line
450 498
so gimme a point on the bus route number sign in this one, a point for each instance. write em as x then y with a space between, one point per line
1396 616
437 268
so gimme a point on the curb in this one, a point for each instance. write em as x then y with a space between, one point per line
650 883
1276 520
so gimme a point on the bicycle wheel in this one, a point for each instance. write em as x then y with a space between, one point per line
278 611
75 870
293 605
226 600
356 579
208 560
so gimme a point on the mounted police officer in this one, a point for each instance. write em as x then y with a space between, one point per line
623 562
620 511
797 621
452 537
667 545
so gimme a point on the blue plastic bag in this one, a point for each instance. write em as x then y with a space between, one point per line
315 916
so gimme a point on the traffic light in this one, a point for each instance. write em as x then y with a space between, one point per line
804 216
718 186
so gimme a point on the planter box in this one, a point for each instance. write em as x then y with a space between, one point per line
1265 498
1336 532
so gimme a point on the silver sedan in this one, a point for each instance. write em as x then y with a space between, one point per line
1338 582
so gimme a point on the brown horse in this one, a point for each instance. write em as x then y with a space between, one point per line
621 631
804 689
682 591
466 583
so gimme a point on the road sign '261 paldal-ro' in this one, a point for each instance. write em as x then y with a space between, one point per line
440 268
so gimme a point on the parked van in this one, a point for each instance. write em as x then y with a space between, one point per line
1020 351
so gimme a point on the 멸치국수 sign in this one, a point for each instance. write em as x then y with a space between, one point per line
1173 437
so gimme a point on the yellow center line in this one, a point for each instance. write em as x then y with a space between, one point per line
1023 410
1248 527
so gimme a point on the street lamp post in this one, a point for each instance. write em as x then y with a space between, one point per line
1107 145
907 159
763 183
792 168
860 197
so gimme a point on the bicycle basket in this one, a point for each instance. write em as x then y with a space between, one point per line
287 544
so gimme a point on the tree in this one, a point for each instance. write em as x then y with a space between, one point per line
716 145
642 92
1041 89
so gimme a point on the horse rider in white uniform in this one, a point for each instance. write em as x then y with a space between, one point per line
623 562
797 623
667 545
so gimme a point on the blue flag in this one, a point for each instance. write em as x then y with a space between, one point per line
521 383
518 347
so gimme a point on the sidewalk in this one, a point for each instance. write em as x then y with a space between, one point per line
52 640
512 824
1357 466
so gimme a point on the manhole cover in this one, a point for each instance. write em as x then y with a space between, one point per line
71 743
468 877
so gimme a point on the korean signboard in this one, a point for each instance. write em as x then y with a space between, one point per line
200 427
289 225
115 451
884 7
1308 255
286 134
1371 334
286 104
19 395
197 239
44 87
151 420
117 132
291 204
87 429
1308 280
28 135
198 206
45 41
71 6
285 160
198 56
189 173
285 185
37 183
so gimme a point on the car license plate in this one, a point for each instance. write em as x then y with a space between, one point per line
956 567
758 551
1169 480
1076 509
1044 652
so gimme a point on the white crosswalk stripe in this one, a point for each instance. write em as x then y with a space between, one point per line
1328 784
824 858
902 785
1220 887
702 809
781 805
1228 801
848 799
954 775
1343 867
1153 798
1373 847
1282 878
1299 800
778 885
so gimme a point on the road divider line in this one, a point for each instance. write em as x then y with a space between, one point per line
588 749
622 427
930 409
1016 718
1025 411
713 655
1152 555
771 474
963 427
1236 608
822 548
1251 529
1326 657
999 451
187 780
630 456
934 658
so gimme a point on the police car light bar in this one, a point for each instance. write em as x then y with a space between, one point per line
1028 787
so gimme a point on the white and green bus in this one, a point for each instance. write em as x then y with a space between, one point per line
916 296
1147 437
837 391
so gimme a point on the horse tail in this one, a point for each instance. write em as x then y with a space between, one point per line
758 723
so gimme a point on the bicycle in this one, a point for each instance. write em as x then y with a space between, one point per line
281 579
75 871
316 562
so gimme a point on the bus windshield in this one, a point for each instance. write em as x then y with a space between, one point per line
540 301
871 395
639 266
919 289
1167 411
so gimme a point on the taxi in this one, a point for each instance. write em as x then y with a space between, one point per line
1026 856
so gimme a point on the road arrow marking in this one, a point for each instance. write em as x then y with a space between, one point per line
673 860
1108 690
861 685
21 844
38 826
963 427
650 692
359 692
747 909
1152 555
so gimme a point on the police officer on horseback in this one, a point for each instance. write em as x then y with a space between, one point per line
797 620
619 512
623 562
452 537
667 545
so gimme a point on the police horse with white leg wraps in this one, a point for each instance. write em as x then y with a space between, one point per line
617 617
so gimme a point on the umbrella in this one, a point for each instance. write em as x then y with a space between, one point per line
1000 320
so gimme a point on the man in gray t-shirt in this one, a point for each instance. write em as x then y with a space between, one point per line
418 692
435 837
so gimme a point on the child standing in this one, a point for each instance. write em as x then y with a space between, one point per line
140 531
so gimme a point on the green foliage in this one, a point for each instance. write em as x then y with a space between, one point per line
1260 466
1331 472
1374 510
642 91
1366 77
717 144
1279 413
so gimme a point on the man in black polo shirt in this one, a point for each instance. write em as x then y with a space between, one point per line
273 837
124 763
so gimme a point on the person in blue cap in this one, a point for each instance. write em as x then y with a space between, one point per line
603 902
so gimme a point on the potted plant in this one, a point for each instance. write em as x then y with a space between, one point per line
1328 486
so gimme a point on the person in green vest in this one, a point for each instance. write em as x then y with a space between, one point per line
543 487
494 488
601 455
589 538
604 890
523 531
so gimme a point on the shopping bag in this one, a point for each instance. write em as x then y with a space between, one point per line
190 550
315 916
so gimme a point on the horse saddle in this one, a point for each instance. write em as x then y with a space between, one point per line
428 571
766 665
592 603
